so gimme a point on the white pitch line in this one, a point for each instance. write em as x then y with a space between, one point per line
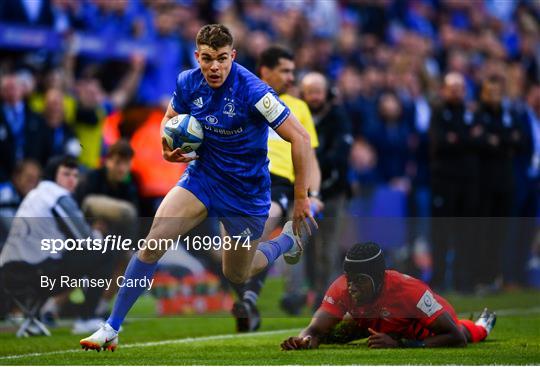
515 311
157 343
504 312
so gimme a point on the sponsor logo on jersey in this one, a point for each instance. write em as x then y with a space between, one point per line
222 131
329 300
246 233
229 110
211 119
198 102
428 304
269 107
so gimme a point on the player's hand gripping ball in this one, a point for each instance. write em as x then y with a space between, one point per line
184 132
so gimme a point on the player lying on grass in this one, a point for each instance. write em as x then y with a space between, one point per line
389 308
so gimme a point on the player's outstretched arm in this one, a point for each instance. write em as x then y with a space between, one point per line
321 324
168 153
293 132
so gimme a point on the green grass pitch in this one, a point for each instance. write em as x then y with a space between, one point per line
209 340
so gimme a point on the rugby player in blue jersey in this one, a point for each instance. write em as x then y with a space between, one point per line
229 178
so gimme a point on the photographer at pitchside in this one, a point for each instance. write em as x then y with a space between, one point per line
49 211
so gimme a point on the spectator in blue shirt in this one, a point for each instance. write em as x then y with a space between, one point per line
156 84
390 138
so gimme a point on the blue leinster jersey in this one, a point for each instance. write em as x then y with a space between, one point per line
235 118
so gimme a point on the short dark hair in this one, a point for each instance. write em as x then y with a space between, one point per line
21 166
54 163
215 36
270 57
122 149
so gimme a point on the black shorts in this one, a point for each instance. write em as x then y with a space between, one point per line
282 192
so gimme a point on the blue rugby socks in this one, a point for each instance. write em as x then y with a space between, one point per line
254 286
275 247
127 296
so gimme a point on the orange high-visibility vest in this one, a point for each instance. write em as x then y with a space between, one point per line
155 175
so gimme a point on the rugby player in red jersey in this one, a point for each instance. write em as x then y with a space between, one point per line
391 309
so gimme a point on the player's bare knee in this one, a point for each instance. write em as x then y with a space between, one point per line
235 276
150 255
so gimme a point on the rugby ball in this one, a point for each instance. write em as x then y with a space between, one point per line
184 132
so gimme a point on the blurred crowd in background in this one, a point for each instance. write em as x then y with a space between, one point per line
442 99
